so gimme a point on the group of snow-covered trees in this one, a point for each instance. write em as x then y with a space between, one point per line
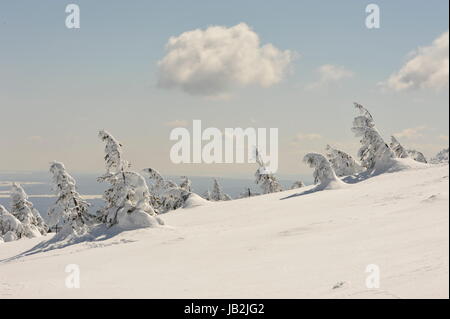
264 178
401 152
128 199
130 202
167 195
441 157
23 220
375 155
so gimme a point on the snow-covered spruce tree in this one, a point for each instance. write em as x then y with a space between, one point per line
374 153
186 184
23 210
10 227
323 172
166 194
218 194
69 213
401 152
297 184
441 157
157 186
417 156
263 177
397 148
128 200
342 163
207 195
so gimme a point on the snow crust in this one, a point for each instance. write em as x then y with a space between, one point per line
293 244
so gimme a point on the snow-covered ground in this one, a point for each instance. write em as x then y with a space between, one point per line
315 245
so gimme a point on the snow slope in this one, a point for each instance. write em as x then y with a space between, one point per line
315 245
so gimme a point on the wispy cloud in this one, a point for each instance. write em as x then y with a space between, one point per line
412 132
329 74
427 67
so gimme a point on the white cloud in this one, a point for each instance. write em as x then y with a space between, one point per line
212 62
328 74
426 68
176 123
412 132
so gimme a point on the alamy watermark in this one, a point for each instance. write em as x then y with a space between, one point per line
373 279
73 19
228 146
73 278
373 17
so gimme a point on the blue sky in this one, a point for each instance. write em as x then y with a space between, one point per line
59 86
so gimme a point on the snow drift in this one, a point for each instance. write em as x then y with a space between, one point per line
317 245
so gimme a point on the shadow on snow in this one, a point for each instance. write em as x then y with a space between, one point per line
97 234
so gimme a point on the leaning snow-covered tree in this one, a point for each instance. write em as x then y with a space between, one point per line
374 152
342 163
10 227
417 156
69 213
166 194
128 200
323 172
264 177
441 157
186 184
397 148
218 194
207 195
401 152
23 210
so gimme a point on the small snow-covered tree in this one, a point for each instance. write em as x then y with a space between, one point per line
218 194
128 200
186 184
397 148
401 152
374 152
207 195
441 157
166 194
23 210
417 156
266 179
342 163
70 211
323 172
10 227
297 184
